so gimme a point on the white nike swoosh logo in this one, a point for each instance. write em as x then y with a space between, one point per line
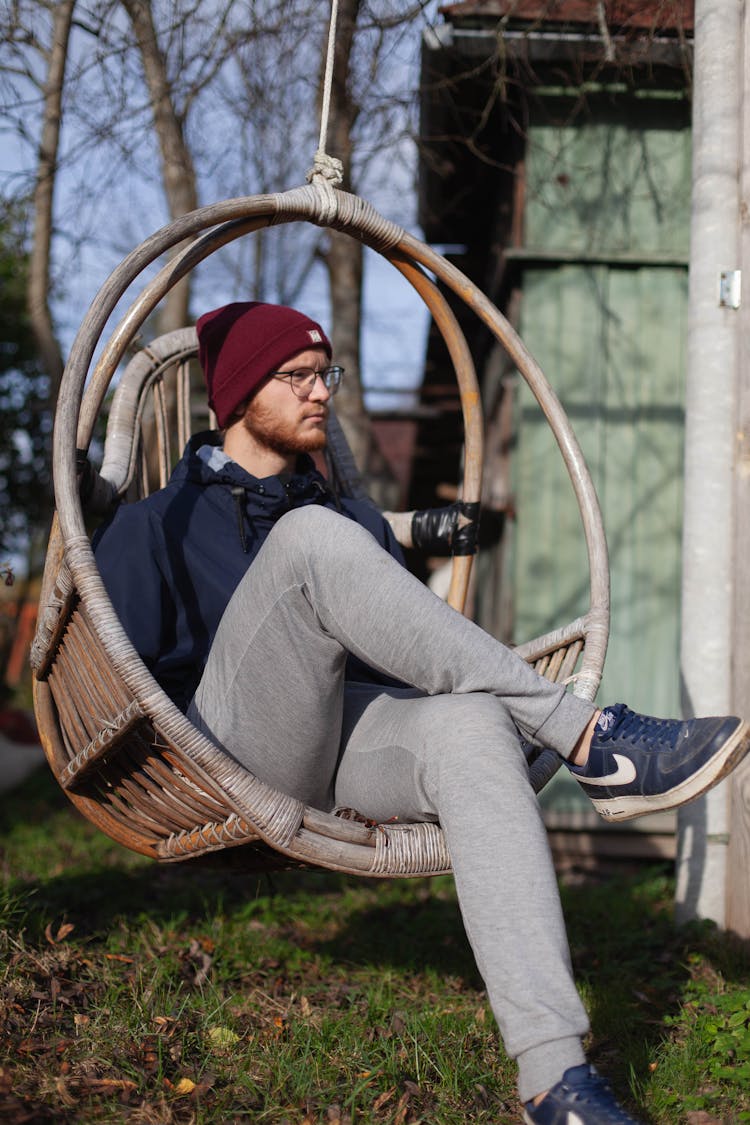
623 775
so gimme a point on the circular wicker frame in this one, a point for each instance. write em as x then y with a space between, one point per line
301 834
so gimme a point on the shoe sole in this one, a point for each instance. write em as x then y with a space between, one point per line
627 807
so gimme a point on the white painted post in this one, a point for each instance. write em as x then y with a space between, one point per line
738 850
712 370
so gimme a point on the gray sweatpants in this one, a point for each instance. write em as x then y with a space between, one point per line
274 695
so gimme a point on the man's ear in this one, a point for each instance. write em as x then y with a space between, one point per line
238 413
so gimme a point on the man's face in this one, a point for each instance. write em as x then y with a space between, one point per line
278 420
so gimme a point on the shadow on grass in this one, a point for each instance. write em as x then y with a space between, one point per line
80 877
631 963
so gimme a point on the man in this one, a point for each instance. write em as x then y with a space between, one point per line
285 624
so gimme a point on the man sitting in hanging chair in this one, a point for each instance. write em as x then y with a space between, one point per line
283 621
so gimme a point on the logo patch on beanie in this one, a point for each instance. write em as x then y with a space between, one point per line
315 336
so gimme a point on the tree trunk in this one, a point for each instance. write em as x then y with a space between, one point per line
38 280
344 261
44 190
177 169
179 182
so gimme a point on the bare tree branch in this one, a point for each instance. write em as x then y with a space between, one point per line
39 263
178 171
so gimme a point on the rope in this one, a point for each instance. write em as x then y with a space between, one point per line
328 171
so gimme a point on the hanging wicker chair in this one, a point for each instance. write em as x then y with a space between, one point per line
126 756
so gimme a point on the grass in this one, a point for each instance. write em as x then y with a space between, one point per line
195 993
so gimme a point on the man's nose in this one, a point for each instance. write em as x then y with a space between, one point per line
319 392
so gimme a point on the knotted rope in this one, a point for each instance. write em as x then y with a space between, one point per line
327 171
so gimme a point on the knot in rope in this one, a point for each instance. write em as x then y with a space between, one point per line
328 168
327 171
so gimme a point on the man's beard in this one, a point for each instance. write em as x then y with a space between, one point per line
281 436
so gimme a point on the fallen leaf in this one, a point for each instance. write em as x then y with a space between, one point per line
106 1085
222 1037
62 932
381 1099
401 1109
64 1093
279 1023
482 1096
184 1086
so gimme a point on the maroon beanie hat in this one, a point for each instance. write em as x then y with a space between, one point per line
240 344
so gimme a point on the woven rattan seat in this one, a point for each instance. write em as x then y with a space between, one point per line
125 755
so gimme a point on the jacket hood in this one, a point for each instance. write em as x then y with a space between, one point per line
253 499
196 468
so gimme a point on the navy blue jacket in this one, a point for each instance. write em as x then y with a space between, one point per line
171 562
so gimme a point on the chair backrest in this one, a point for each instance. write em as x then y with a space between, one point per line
154 410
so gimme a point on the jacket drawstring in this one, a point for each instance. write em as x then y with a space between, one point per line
334 480
239 501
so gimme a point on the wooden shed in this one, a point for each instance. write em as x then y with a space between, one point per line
556 168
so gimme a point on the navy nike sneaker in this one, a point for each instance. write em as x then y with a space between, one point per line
640 765
581 1097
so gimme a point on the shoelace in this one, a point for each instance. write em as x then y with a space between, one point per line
594 1090
656 733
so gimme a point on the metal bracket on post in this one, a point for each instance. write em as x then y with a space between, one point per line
730 289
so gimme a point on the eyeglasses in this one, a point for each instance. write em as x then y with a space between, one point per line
302 380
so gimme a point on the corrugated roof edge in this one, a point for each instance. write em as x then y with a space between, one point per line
621 15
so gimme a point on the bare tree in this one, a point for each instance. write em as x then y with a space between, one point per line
177 169
198 98
343 255
39 264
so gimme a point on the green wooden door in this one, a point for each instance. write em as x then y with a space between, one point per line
604 295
